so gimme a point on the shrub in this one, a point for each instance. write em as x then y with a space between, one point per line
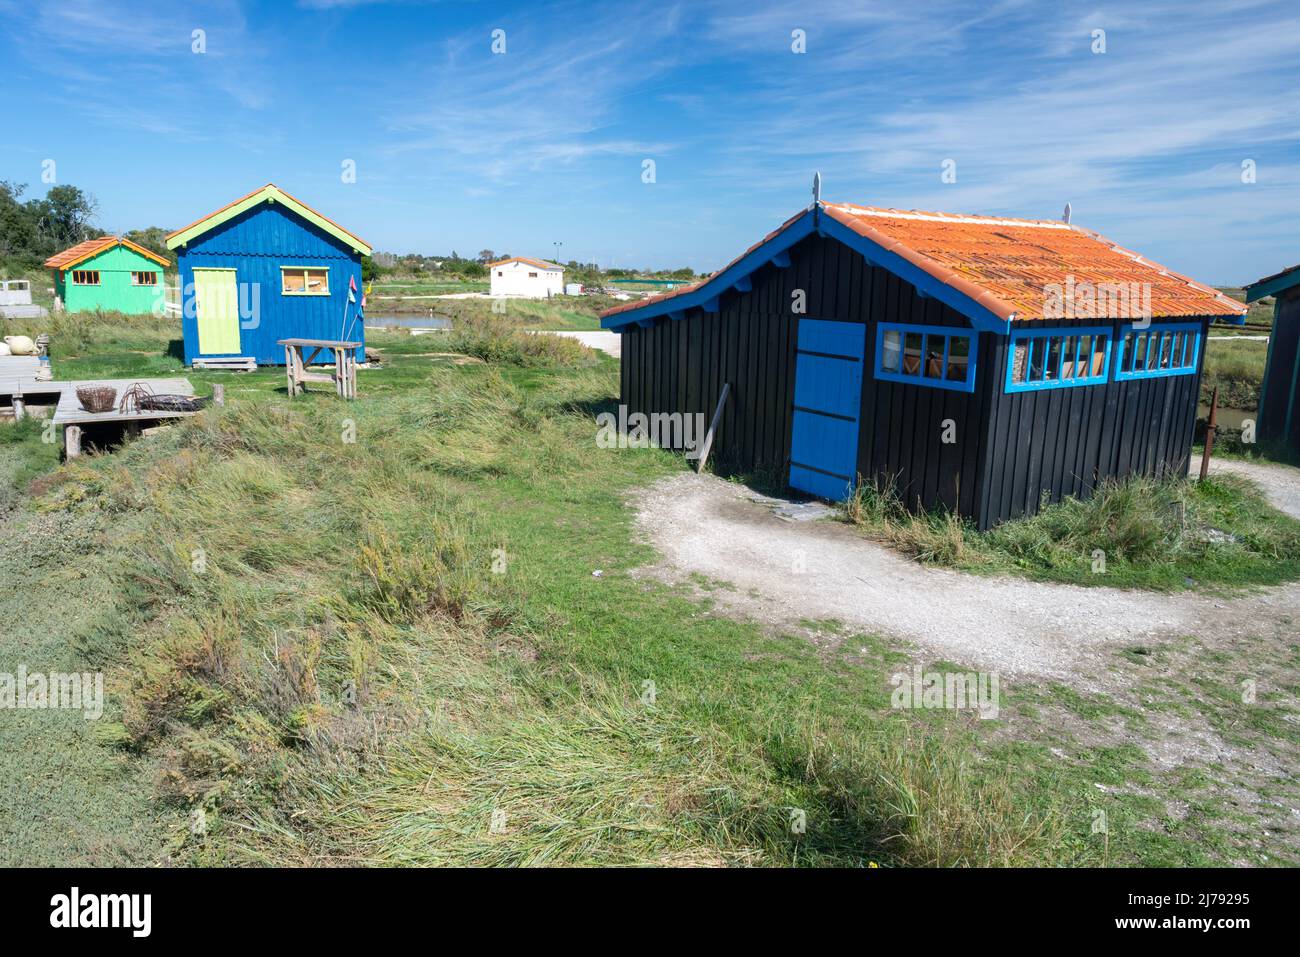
498 340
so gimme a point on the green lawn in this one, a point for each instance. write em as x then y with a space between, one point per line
395 648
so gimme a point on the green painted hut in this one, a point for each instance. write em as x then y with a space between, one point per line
109 273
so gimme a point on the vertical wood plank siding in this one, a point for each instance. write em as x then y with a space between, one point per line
1011 450
256 244
1281 396
1051 443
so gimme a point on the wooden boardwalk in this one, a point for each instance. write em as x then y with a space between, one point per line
74 417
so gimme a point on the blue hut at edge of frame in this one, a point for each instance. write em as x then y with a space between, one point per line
263 268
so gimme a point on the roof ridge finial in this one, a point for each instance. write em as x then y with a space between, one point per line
817 187
1065 216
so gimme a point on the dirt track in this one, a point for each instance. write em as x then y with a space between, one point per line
785 573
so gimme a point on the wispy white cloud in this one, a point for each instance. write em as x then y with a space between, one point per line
1145 140
88 48
547 101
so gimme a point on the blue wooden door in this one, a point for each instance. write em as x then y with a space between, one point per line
827 404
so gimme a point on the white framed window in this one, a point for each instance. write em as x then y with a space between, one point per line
305 280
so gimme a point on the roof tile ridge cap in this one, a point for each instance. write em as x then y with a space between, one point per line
993 303
934 215
1162 269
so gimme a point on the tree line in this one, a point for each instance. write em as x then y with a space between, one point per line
33 230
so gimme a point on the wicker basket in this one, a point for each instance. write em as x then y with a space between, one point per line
98 398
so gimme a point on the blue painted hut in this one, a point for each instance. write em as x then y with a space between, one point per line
263 268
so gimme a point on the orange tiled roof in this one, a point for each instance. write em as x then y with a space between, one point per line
92 247
524 259
1006 264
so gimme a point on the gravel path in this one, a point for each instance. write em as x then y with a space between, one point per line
1279 483
787 572
607 342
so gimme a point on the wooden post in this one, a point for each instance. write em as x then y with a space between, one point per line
713 426
20 408
288 369
71 441
218 394
1209 434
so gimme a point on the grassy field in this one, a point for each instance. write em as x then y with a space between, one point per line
406 630
568 313
564 313
1236 368
392 291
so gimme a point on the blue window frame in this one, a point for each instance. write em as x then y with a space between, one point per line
936 356
1151 351
1058 358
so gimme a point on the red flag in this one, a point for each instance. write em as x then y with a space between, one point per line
352 283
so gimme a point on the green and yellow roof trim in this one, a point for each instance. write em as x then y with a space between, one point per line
270 193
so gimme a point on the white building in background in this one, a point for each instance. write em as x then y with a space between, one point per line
529 278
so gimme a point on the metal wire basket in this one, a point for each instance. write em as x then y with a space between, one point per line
141 398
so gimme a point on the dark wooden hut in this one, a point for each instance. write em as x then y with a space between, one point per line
977 363
1279 397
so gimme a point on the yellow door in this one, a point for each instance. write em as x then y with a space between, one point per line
216 305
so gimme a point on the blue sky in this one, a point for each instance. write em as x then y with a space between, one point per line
458 147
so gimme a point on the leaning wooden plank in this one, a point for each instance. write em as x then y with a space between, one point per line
713 426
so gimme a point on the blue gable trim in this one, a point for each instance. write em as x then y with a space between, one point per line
777 252
1270 287
708 294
